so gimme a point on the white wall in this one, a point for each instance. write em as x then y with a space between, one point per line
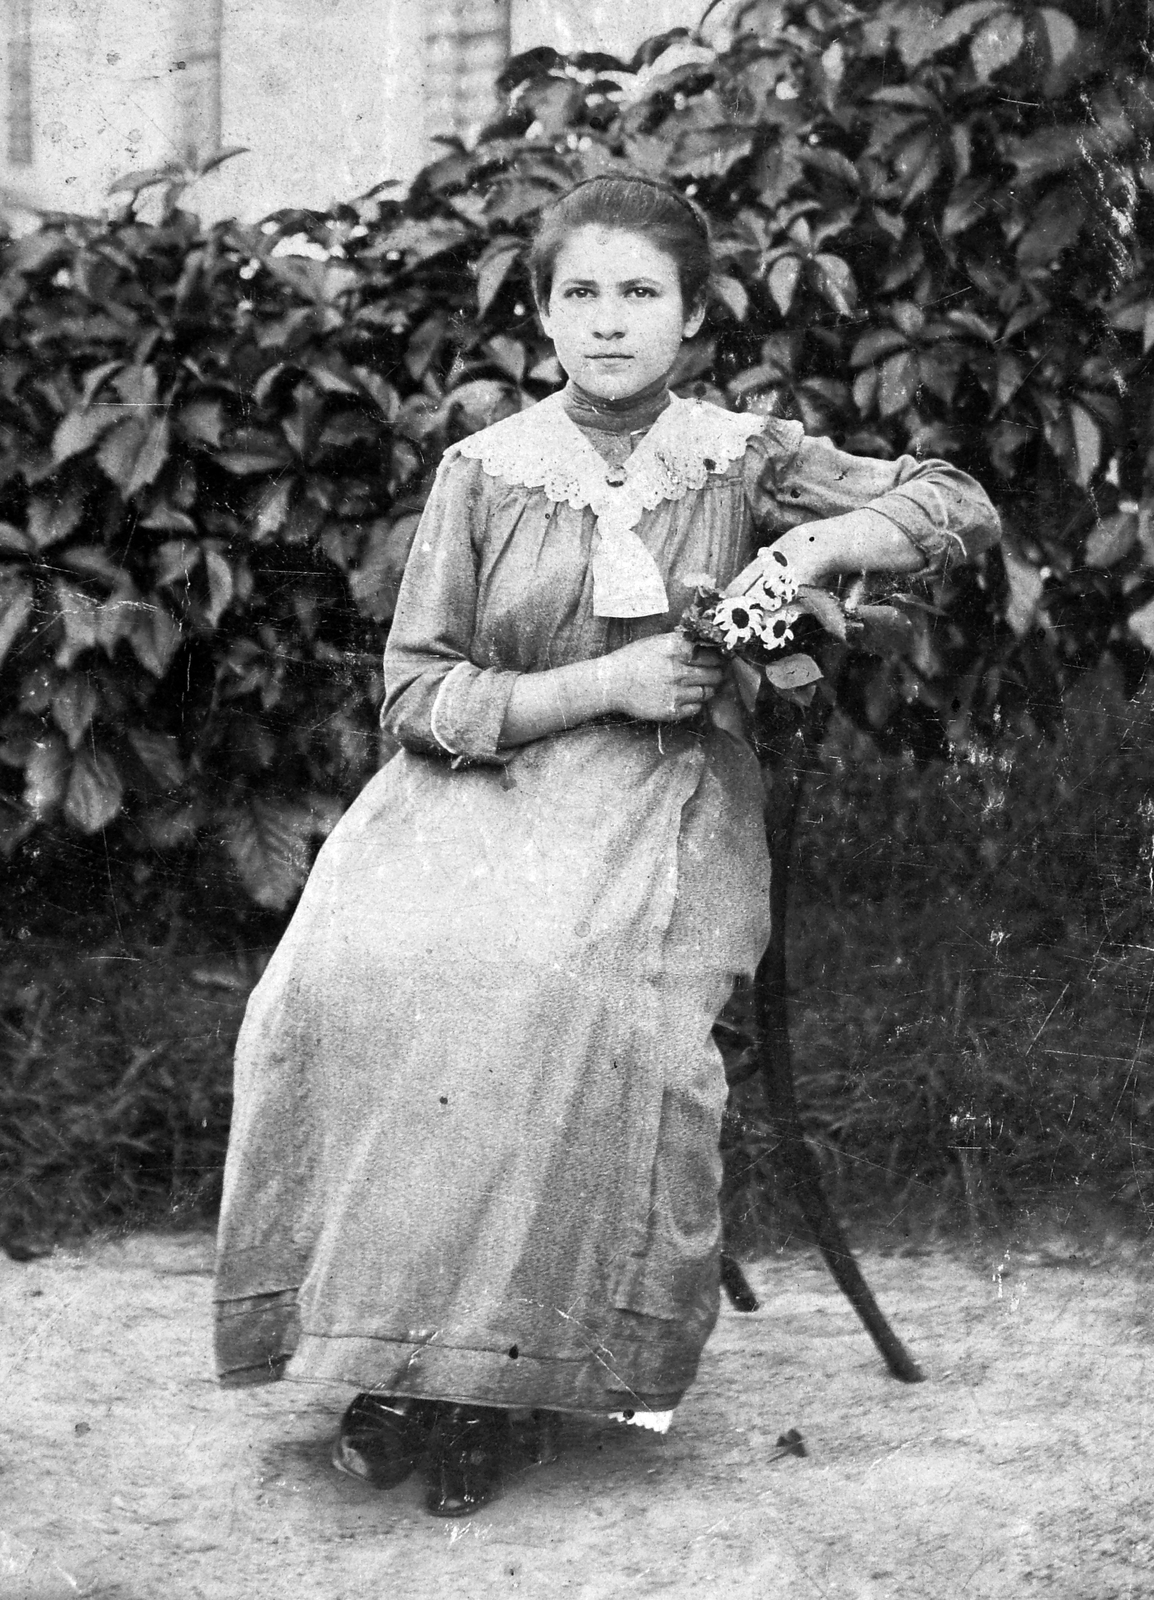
327 94
615 26
103 97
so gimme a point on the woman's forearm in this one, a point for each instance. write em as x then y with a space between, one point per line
857 541
560 697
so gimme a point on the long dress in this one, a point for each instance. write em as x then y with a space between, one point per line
474 1151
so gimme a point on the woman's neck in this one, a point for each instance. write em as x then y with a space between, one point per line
630 414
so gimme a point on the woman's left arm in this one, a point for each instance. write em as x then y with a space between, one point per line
844 513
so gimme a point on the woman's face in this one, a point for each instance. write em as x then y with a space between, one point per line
615 312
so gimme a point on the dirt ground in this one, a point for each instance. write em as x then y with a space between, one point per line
1023 1467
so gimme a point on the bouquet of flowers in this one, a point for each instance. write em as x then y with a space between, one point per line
765 630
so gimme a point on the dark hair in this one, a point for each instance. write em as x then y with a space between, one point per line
635 204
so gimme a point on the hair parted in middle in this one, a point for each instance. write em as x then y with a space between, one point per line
664 216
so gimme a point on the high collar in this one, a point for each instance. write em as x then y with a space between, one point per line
632 414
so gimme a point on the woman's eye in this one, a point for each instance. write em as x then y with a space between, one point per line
642 292
577 293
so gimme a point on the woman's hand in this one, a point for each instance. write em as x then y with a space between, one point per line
665 678
857 541
808 554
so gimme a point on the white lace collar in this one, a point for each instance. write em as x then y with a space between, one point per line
543 448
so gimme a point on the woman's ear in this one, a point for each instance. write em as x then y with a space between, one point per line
543 317
694 320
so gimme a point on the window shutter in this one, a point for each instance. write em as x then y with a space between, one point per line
467 46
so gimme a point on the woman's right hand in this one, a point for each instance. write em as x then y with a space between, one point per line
665 678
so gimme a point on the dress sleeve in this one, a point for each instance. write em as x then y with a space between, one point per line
438 698
792 478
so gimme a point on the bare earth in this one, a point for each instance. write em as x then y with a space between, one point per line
1024 1467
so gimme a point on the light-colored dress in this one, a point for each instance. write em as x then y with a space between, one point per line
474 1152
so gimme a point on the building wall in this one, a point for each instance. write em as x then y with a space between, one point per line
615 26
330 96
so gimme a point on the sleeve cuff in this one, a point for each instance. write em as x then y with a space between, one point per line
468 712
934 540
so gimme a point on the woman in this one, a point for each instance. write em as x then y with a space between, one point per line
474 1157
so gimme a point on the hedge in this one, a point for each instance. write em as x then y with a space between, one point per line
934 228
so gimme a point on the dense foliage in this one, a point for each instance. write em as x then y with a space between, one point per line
935 229
971 995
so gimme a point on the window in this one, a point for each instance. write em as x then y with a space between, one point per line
468 44
19 107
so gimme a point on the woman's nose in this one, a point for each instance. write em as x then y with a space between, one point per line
608 323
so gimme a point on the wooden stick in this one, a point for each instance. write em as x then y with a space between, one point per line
776 1065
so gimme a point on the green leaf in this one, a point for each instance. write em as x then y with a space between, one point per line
119 450
865 388
1061 35
166 519
783 277
170 829
732 293
884 630
1025 585
826 607
492 270
94 791
878 342
244 463
747 680
202 421
1055 226
80 430
835 282
996 44
159 754
1111 539
1140 623
1087 444
155 638
794 672
53 516
117 616
273 508
45 776
145 178
481 403
16 604
151 458
375 583
897 383
78 614
220 585
74 705
269 844
221 156
421 240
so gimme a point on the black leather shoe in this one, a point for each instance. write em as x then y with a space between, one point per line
382 1438
465 1459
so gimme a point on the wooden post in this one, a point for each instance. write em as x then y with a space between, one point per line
200 25
19 141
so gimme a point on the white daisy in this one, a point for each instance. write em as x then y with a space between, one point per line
776 631
738 620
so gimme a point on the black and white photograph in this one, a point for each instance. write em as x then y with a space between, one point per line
577 799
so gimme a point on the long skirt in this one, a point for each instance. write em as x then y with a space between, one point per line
474 1152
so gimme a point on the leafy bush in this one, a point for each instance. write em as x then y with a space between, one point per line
971 960
935 234
115 1089
972 951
